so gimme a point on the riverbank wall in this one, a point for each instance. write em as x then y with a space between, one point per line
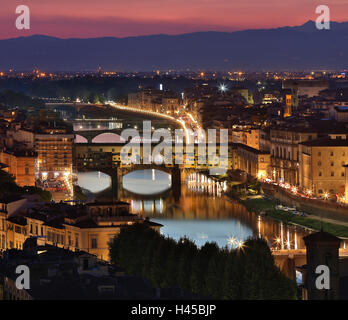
325 209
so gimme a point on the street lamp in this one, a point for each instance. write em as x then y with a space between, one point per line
223 87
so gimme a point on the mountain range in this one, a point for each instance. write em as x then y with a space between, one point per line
285 48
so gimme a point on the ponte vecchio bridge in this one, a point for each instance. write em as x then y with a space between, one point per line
98 146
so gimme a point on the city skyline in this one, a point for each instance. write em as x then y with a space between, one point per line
108 19
166 150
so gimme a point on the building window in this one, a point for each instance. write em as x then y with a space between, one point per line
319 153
319 173
332 174
320 191
94 243
319 163
331 153
342 174
331 164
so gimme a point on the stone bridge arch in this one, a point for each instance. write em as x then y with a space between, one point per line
91 135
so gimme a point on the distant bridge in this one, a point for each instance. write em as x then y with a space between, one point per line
91 128
288 260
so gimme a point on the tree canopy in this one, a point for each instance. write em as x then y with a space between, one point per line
245 273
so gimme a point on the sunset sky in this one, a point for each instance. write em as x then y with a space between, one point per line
122 18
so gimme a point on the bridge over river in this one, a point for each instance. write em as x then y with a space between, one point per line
288 260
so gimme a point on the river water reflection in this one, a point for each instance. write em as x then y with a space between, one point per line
199 215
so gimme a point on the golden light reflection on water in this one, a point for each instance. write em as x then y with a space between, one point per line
226 216
204 213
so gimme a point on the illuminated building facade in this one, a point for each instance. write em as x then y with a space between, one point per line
252 161
55 154
20 164
322 170
89 228
285 153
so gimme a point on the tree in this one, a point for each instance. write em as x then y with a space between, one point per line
232 274
215 275
199 266
187 252
248 272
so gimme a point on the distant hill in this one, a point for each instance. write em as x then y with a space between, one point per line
291 48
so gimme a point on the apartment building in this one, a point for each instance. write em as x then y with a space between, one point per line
53 146
246 135
55 153
154 100
285 139
252 161
20 164
81 227
322 169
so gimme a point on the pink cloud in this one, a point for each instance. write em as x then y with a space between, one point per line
121 18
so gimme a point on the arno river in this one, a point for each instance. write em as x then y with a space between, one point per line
199 214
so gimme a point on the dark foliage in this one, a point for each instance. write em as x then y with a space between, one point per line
245 273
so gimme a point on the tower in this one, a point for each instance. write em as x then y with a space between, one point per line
288 106
322 250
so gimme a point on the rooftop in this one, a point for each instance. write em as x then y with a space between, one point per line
326 142
250 149
10 199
